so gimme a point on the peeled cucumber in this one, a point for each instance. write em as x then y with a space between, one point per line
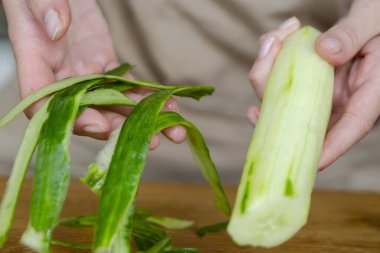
274 194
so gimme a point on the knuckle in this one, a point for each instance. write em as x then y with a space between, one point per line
349 34
364 125
254 77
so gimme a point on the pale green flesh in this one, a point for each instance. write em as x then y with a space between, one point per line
20 167
121 244
274 194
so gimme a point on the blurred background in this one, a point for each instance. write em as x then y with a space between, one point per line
187 62
7 64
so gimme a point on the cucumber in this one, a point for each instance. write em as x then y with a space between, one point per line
274 194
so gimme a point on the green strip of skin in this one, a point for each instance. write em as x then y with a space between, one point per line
52 171
120 70
247 188
146 234
106 97
196 92
201 154
95 176
43 92
144 230
214 228
125 169
20 167
120 187
74 245
169 222
160 246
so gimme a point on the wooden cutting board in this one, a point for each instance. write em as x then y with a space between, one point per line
339 221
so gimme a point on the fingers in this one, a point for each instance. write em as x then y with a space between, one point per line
270 44
176 134
344 40
53 15
284 30
356 121
253 113
154 142
259 73
97 124
29 81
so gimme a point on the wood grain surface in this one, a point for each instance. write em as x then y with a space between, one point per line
339 221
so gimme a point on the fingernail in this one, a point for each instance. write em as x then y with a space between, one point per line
266 46
177 134
288 23
94 129
154 142
53 24
331 44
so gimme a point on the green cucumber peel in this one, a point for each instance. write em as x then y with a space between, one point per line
214 228
79 221
147 234
106 96
160 246
139 214
131 157
74 245
201 154
120 70
20 167
196 93
97 171
122 242
169 222
44 92
69 97
94 178
52 170
120 186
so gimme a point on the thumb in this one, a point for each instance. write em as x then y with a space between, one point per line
53 15
344 40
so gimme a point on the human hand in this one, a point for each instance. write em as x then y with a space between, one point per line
353 46
53 40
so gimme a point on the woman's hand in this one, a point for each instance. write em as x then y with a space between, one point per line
353 46
55 39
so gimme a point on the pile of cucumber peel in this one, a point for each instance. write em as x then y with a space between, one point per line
114 176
